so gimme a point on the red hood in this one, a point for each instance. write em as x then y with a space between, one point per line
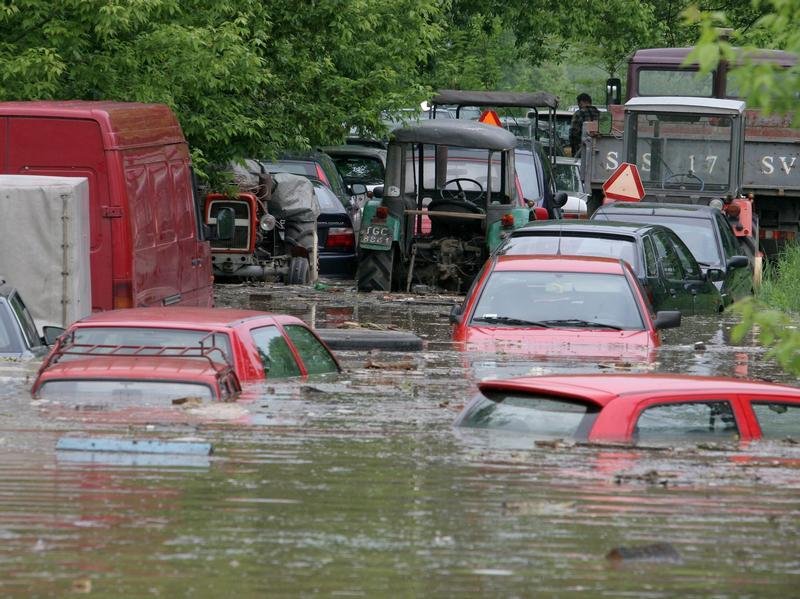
599 343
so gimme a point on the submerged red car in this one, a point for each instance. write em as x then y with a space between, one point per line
257 345
637 408
565 306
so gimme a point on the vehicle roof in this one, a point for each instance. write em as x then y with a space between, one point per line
685 104
456 132
673 55
548 263
602 226
493 98
134 368
180 317
661 209
124 124
605 387
355 150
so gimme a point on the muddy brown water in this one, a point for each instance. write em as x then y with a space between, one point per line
357 485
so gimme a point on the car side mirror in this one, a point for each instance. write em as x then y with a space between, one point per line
667 319
715 275
51 334
738 262
455 313
357 189
377 192
561 199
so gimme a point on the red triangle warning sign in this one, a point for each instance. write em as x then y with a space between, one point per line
624 184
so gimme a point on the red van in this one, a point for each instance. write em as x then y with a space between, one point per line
146 246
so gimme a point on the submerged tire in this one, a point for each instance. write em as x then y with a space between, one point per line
375 270
298 271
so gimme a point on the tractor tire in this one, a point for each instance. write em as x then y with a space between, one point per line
298 271
375 270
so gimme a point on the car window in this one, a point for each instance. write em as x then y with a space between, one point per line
9 343
566 243
777 420
670 263
120 390
529 176
691 269
651 262
557 298
688 420
359 169
567 177
276 356
25 320
316 357
332 174
328 202
292 166
545 416
155 338
729 242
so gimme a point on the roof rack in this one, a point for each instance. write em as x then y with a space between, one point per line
66 346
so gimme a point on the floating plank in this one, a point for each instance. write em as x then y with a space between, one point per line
101 444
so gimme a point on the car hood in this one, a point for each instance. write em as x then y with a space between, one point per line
595 343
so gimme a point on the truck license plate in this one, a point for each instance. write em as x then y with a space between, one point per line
377 235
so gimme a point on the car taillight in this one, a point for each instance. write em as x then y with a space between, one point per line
123 294
340 239
322 176
381 212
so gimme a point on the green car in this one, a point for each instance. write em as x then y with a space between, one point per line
450 194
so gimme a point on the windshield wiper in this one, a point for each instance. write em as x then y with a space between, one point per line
576 322
519 322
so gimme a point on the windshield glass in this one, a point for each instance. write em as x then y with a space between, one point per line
568 243
532 189
134 337
568 177
696 233
605 299
532 414
471 167
359 169
682 152
665 82
137 392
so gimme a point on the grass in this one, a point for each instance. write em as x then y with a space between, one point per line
780 286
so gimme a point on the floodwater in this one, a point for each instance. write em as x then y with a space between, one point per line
357 485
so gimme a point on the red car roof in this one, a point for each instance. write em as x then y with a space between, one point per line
590 264
180 318
602 388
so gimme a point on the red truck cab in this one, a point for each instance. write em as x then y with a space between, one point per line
146 246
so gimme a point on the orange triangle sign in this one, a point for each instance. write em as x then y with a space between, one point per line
490 118
624 184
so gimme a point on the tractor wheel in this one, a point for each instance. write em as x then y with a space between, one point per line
298 271
758 272
375 270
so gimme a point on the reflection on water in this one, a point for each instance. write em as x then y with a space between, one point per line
357 484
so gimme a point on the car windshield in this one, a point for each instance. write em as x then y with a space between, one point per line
136 392
532 188
532 414
570 243
360 169
558 300
152 337
696 233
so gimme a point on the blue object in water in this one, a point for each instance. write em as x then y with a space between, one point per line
98 444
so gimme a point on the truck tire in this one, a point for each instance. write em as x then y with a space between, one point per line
375 270
298 271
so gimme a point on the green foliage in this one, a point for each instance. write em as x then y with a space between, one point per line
780 287
775 329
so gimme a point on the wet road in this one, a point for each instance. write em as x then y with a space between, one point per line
357 485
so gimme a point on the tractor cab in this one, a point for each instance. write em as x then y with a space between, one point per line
450 190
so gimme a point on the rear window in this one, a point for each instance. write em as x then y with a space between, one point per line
156 338
359 169
570 244
328 202
529 413
292 166
778 420
138 392
660 82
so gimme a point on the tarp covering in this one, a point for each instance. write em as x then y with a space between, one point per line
481 98
456 132
44 245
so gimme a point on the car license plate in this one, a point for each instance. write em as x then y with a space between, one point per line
377 235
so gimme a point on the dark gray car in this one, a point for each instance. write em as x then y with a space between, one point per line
723 257
671 277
